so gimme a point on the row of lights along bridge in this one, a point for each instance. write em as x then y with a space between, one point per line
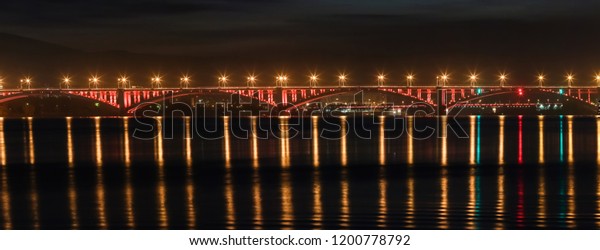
282 80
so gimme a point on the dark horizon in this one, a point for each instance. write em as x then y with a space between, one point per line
204 38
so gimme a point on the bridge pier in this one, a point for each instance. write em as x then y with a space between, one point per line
440 101
280 101
121 102
598 101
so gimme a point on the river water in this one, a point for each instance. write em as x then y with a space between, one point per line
477 172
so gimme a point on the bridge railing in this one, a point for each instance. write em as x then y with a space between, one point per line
309 87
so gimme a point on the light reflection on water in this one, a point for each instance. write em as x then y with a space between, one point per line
229 192
597 214
100 196
317 218
129 206
6 215
287 206
382 216
571 214
72 186
511 172
163 215
256 193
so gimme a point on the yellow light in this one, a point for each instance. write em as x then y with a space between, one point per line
157 78
503 77
473 77
94 79
314 77
381 77
223 78
570 77
65 80
541 77
342 77
409 77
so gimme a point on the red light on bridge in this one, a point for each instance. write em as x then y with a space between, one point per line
520 91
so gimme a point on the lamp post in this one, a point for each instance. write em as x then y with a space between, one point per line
223 79
570 79
251 80
598 80
473 79
342 80
184 82
66 82
541 79
93 82
380 80
281 80
25 83
156 81
313 79
502 78
409 80
123 82
443 79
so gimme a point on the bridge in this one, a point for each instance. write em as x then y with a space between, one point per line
125 101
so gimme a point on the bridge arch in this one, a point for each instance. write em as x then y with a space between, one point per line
172 94
530 93
290 98
110 101
402 92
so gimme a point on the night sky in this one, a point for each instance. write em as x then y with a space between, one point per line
267 36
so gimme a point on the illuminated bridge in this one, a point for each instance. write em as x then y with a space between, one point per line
125 101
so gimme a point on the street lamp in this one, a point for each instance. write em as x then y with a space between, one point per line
598 79
541 79
281 80
251 80
502 78
443 78
123 82
342 79
184 81
66 82
223 79
93 82
570 78
27 82
156 81
380 80
1 83
409 79
313 78
473 79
